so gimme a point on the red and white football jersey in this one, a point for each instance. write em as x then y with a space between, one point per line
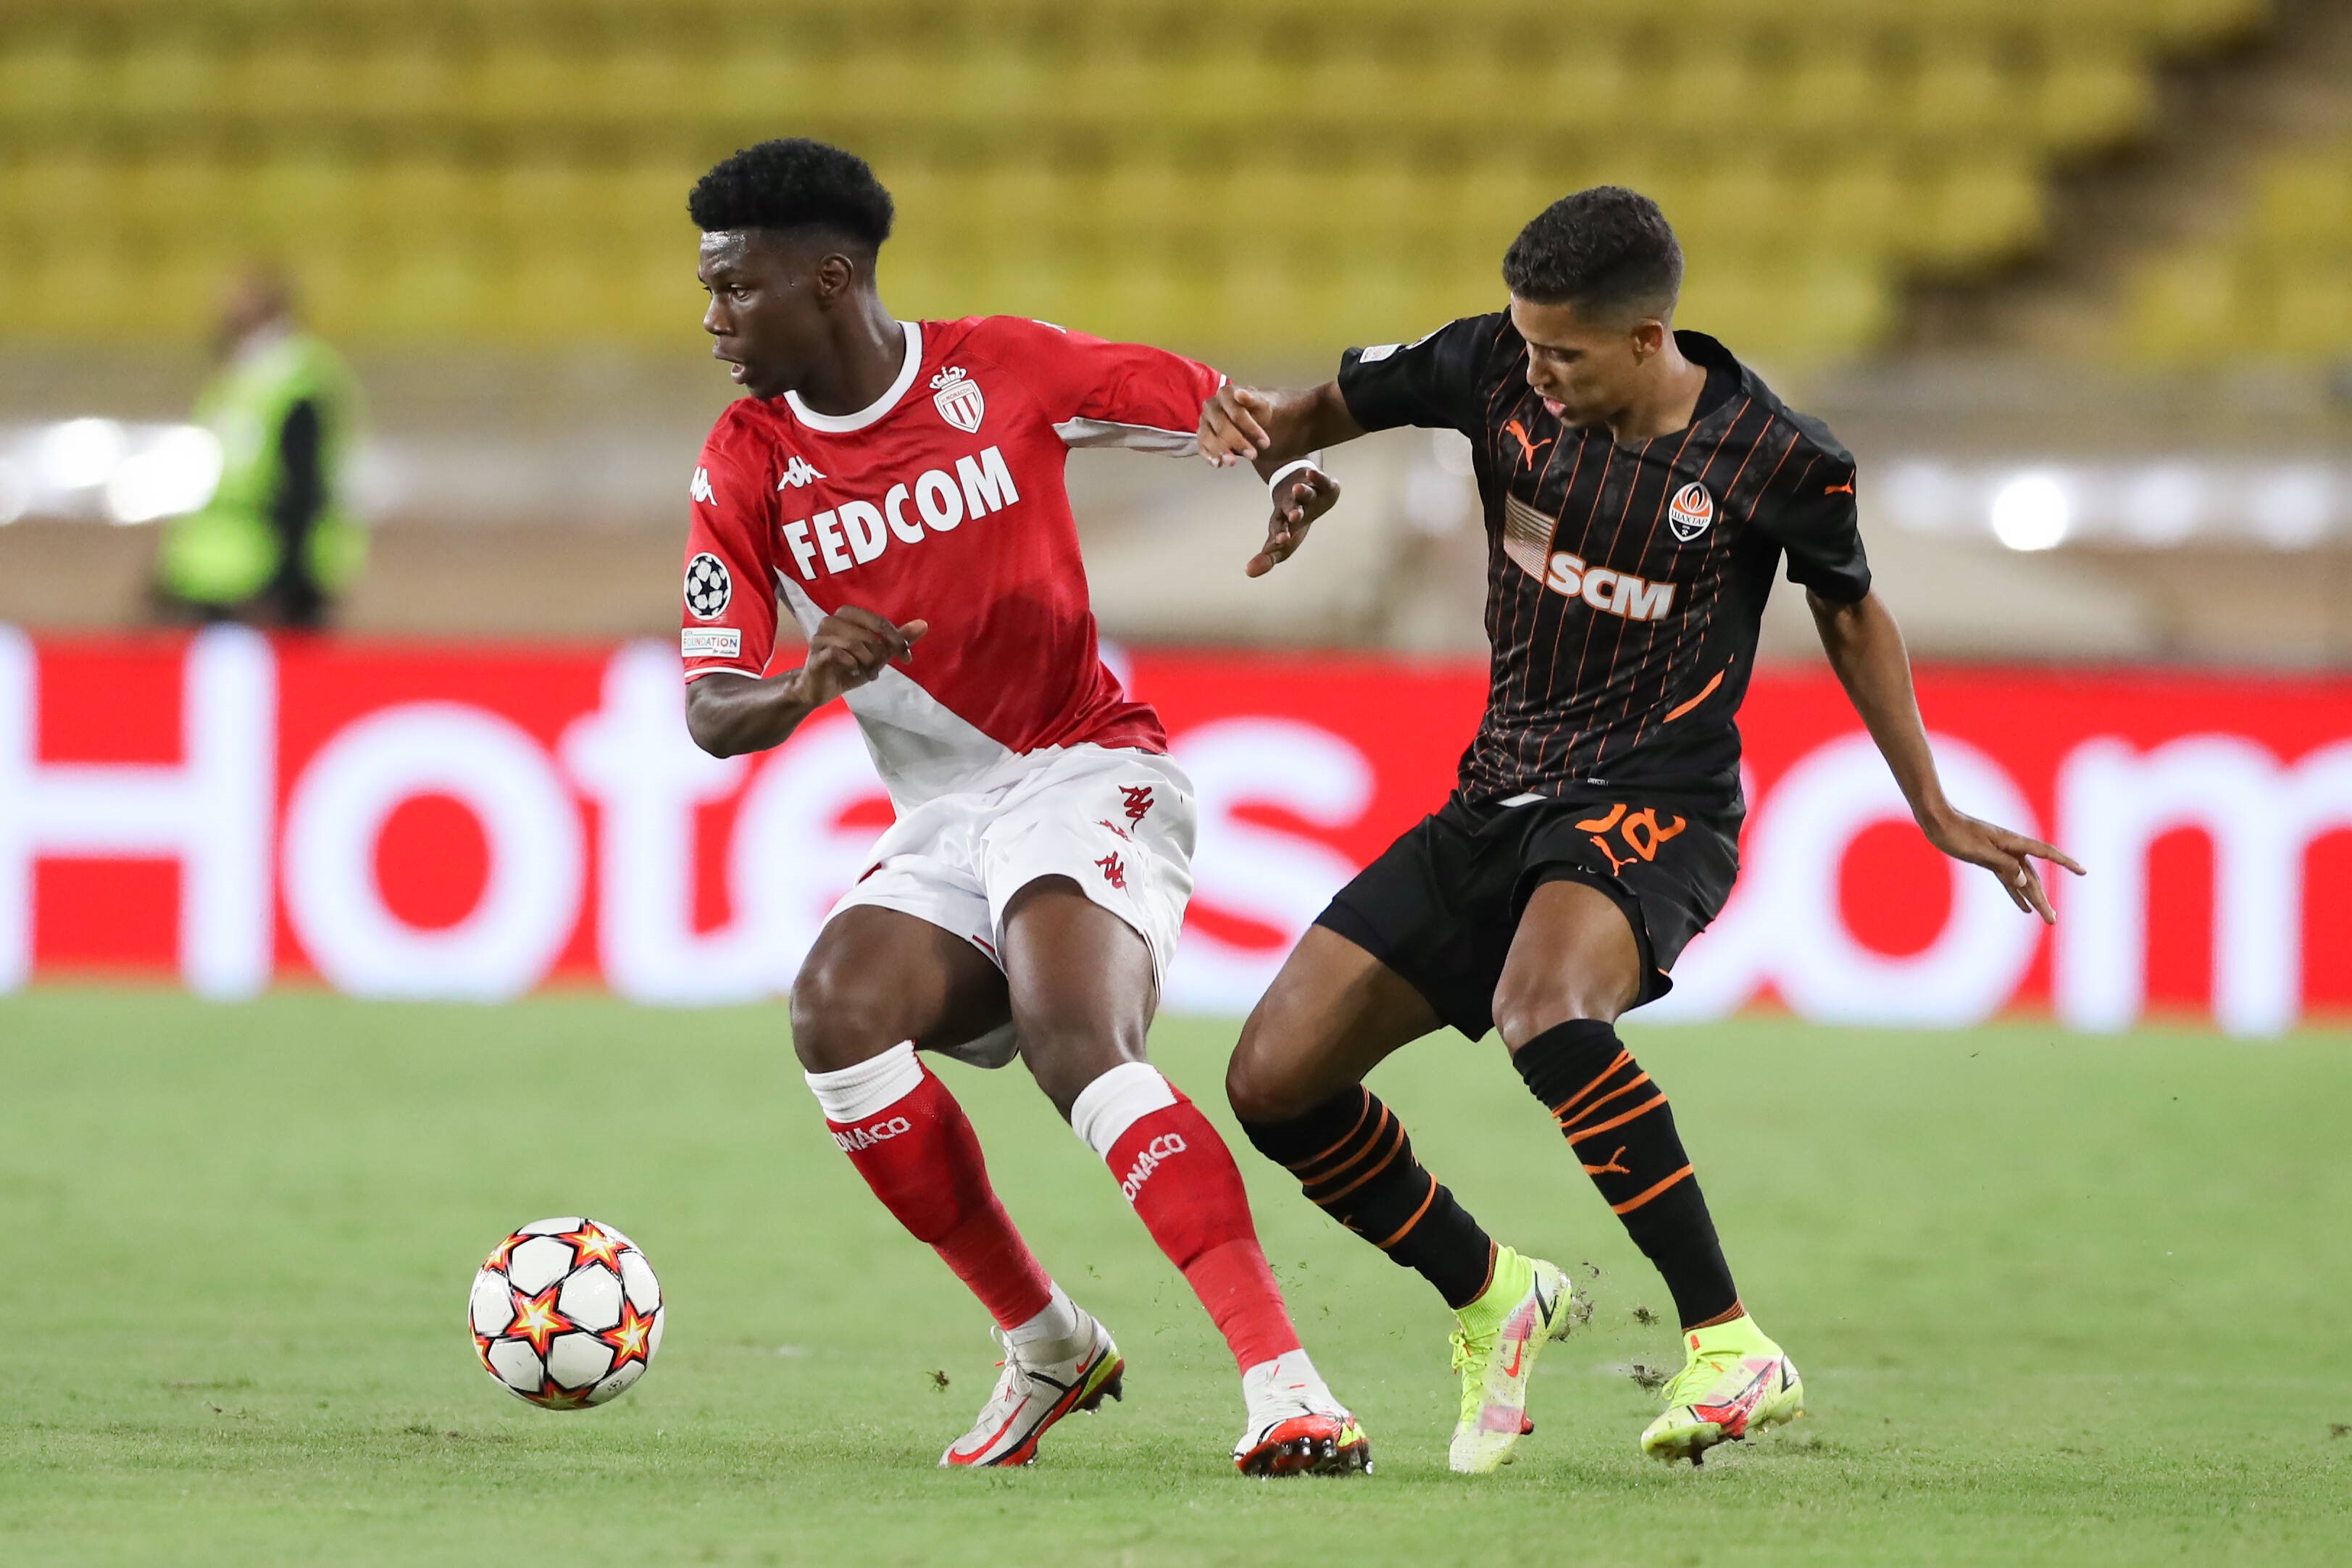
944 502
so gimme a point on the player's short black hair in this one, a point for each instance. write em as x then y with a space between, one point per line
794 182
1606 251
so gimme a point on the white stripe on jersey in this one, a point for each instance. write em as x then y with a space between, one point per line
921 747
1135 437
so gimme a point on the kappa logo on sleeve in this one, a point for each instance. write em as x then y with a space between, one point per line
710 642
798 472
700 489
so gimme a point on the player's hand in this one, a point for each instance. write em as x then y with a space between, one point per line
1232 425
1303 496
2007 855
849 648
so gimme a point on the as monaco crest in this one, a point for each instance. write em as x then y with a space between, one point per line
958 399
1692 510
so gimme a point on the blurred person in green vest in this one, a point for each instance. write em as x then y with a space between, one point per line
273 545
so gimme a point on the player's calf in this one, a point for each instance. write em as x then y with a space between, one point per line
1617 1121
1354 1161
912 1142
1174 1169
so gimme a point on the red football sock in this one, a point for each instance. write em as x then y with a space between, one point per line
1177 1172
919 1155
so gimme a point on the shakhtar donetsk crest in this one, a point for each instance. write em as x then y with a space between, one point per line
957 398
1692 510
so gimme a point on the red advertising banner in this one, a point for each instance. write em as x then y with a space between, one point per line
479 821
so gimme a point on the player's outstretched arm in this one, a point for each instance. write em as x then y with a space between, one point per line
728 714
1273 427
1277 431
1865 648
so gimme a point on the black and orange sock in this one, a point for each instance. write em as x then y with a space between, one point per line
1352 1159
1618 1122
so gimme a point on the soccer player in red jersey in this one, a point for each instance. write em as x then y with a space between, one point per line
897 486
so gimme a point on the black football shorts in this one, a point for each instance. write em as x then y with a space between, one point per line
1440 904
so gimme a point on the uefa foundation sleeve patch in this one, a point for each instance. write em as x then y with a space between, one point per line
710 642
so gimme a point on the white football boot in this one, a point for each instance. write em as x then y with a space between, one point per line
1296 1426
1039 1385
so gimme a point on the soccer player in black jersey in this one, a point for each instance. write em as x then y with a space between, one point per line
1640 487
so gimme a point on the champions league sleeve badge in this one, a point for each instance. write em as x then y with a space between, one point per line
707 586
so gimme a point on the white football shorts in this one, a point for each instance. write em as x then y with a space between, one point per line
1118 823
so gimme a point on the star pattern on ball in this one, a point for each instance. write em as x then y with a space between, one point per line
631 1337
482 1353
537 1319
592 1243
553 1395
503 1252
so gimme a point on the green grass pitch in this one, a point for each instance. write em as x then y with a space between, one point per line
2057 1301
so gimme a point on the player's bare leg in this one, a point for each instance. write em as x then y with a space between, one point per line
1574 966
1083 993
1296 1081
877 984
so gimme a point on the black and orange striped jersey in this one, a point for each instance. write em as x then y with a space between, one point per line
1625 582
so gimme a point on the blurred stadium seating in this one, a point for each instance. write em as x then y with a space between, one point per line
2277 285
1288 174
2073 278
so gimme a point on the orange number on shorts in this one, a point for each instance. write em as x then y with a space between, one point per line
1642 831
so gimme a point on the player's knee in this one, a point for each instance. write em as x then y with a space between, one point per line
1256 1086
840 1019
1522 1013
1066 1056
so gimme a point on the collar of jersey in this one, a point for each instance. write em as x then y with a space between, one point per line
842 424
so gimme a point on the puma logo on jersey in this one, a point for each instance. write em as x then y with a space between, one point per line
798 473
1610 591
1845 489
1519 433
700 489
857 531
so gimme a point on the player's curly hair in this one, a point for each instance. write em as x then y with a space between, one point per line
794 182
1607 251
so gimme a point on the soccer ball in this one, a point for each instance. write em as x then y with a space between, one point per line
565 1313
